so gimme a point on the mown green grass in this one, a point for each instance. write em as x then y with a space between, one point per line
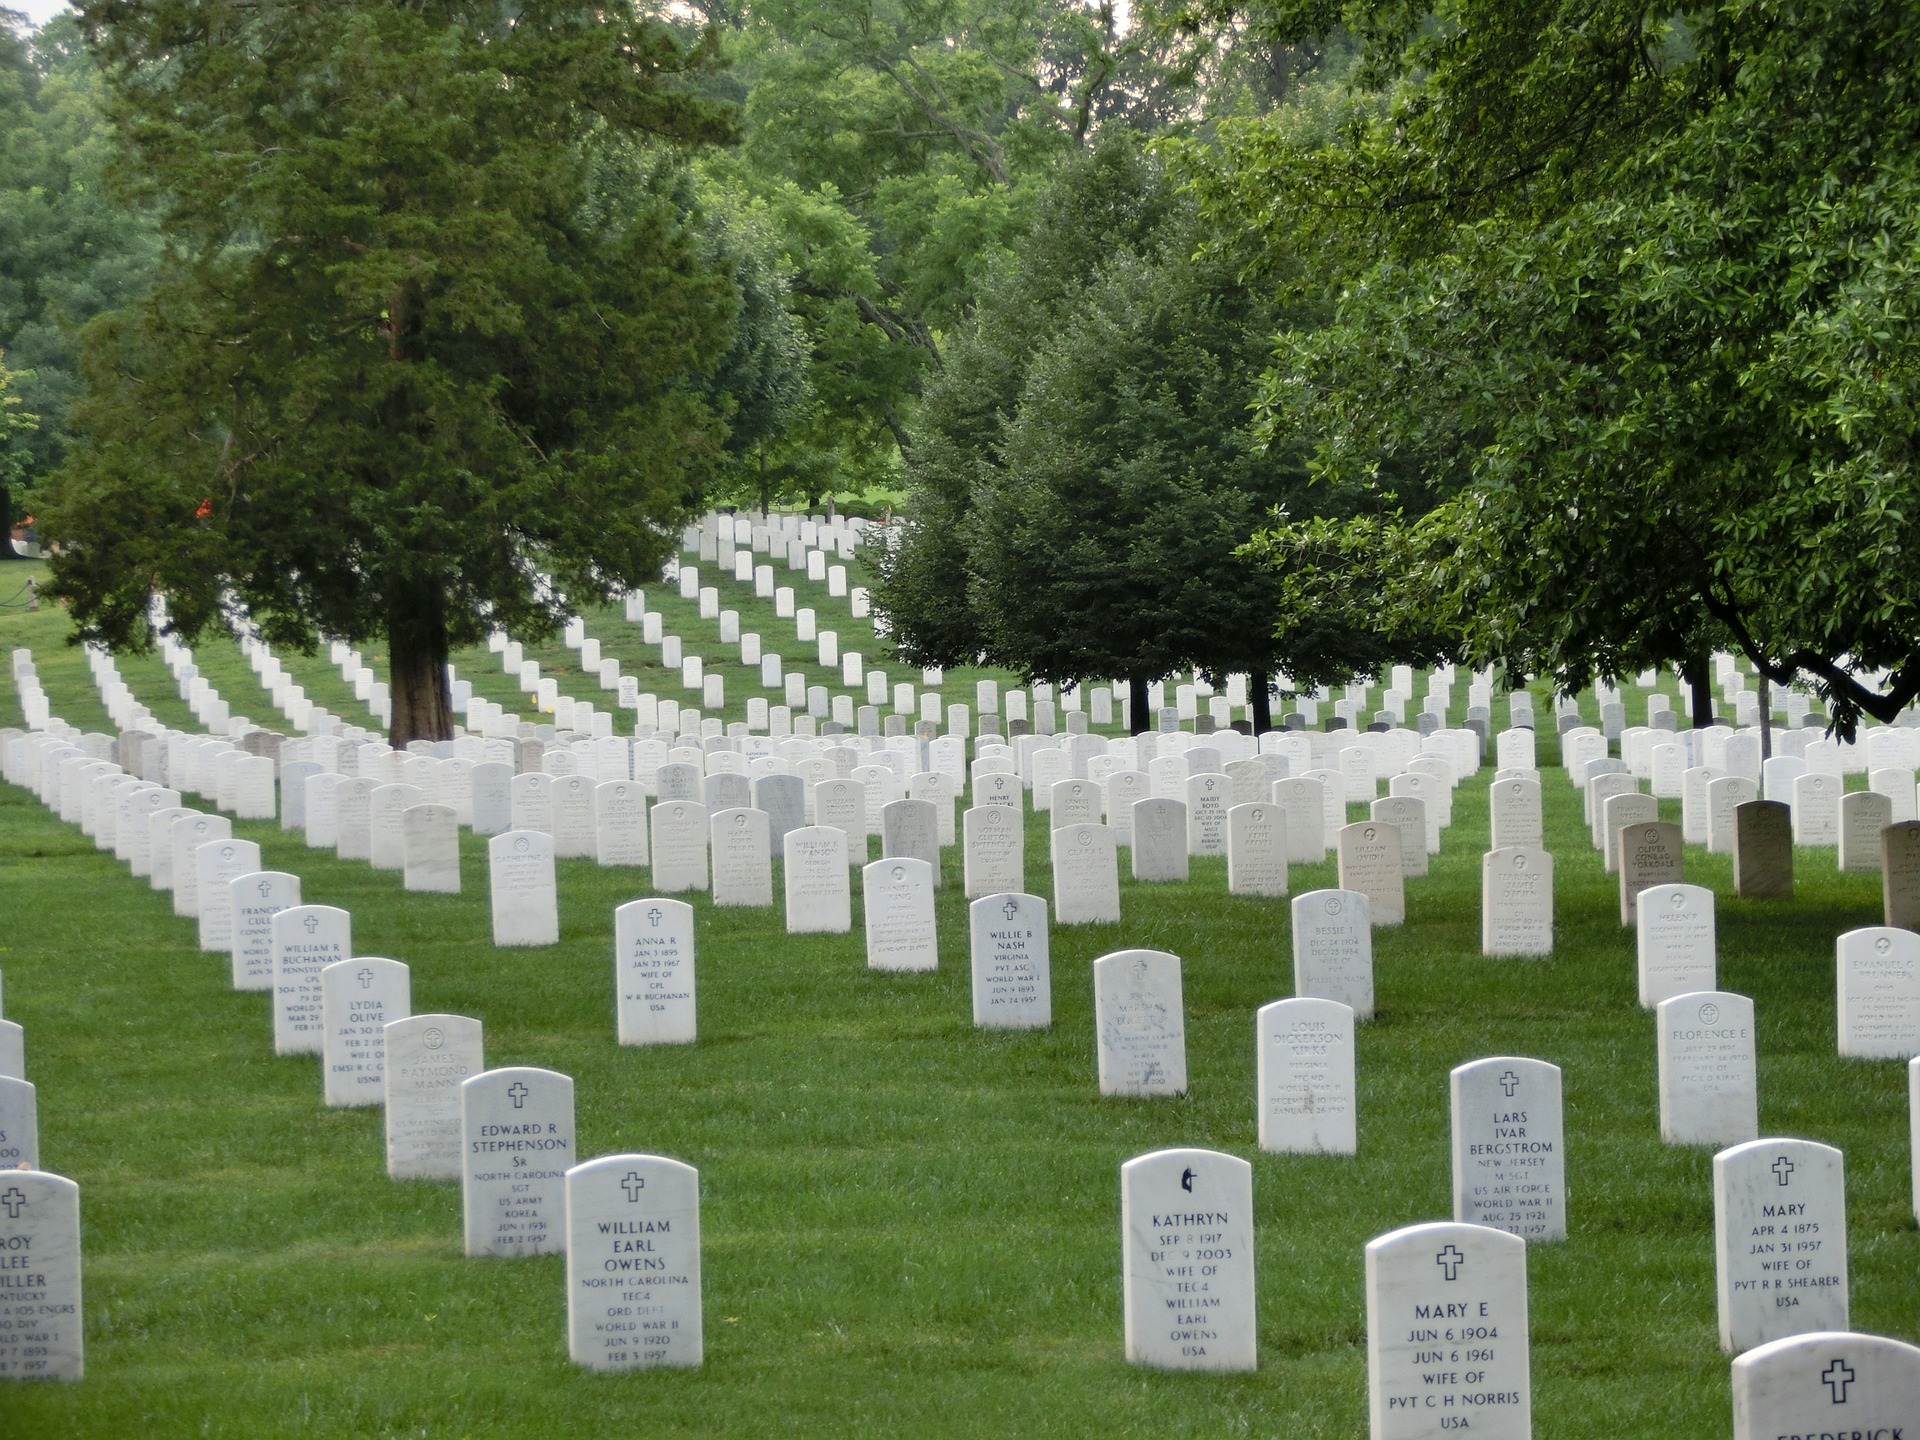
910 1227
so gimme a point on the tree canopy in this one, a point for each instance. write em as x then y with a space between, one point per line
427 315
1633 291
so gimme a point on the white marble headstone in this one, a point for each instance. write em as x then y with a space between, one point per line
1257 850
216 866
516 1127
19 1128
43 1335
817 888
1086 875
1304 1076
633 1263
522 890
1677 950
430 846
254 900
1010 954
1708 1091
358 999
1780 1240
1516 902
1835 1385
993 851
897 915
1333 949
653 972
306 939
679 846
1186 1235
1447 1334
1878 989
1509 1147
620 823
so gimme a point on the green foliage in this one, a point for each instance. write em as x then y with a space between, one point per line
67 250
426 312
1637 294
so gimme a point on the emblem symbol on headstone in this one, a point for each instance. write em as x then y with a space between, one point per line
633 1185
1837 1377
1509 1082
1368 833
1783 1169
365 977
1678 902
1709 1013
434 1038
1186 1180
1882 945
1450 1260
1650 836
1519 862
1335 905
1010 909
266 889
518 1093
310 924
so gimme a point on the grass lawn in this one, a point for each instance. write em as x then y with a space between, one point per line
911 1227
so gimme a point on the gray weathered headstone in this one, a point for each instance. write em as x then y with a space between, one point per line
679 844
1763 851
431 849
1140 1023
1160 850
427 1057
1650 854
1370 863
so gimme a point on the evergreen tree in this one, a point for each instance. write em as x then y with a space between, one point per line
427 318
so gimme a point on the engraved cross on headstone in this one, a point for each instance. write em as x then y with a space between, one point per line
1837 1377
14 1200
653 917
365 977
312 923
517 1093
1509 1082
633 1185
1450 1260
1783 1168
1010 909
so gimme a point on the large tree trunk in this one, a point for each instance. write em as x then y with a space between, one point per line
1699 677
1139 720
1260 685
417 664
7 552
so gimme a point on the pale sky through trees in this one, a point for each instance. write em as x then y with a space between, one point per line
38 12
